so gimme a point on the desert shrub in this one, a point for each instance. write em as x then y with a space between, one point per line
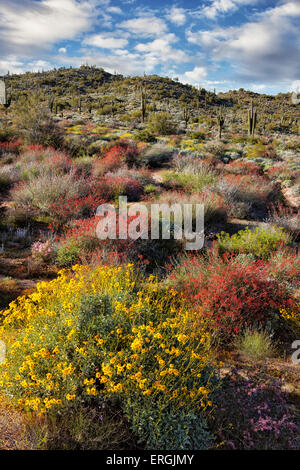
36 124
8 176
214 206
86 428
127 152
42 250
157 155
291 319
10 148
197 135
192 161
190 179
151 254
101 334
296 189
117 156
253 414
40 193
260 150
261 242
255 344
142 175
216 149
161 124
285 217
145 136
126 186
253 188
284 265
7 133
105 165
69 253
239 167
244 198
234 295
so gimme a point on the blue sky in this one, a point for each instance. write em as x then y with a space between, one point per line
222 44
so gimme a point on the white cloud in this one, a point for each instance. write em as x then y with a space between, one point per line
114 10
121 61
105 42
177 16
265 49
36 24
62 50
161 50
14 65
198 74
259 87
218 7
145 26
11 64
39 65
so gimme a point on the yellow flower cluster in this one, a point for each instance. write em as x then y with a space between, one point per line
292 318
100 332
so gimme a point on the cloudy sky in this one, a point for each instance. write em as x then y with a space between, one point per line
222 44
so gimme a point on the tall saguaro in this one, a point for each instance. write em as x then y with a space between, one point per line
2 92
252 119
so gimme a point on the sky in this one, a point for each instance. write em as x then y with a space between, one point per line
221 44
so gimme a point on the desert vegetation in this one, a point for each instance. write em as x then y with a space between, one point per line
141 344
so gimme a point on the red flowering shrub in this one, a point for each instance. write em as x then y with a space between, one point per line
61 162
123 153
10 147
232 294
239 167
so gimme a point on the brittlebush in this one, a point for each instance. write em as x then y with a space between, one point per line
97 334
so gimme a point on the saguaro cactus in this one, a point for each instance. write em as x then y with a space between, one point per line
221 121
143 104
186 115
2 92
51 103
252 119
5 100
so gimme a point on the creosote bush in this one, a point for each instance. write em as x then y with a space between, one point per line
162 124
261 242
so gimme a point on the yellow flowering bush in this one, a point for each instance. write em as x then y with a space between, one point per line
291 318
99 334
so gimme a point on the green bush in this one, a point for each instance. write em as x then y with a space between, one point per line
68 254
145 136
191 181
255 344
261 242
161 124
157 155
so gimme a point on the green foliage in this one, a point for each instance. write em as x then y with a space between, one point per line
34 122
68 254
255 344
145 136
261 242
190 181
162 428
162 123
